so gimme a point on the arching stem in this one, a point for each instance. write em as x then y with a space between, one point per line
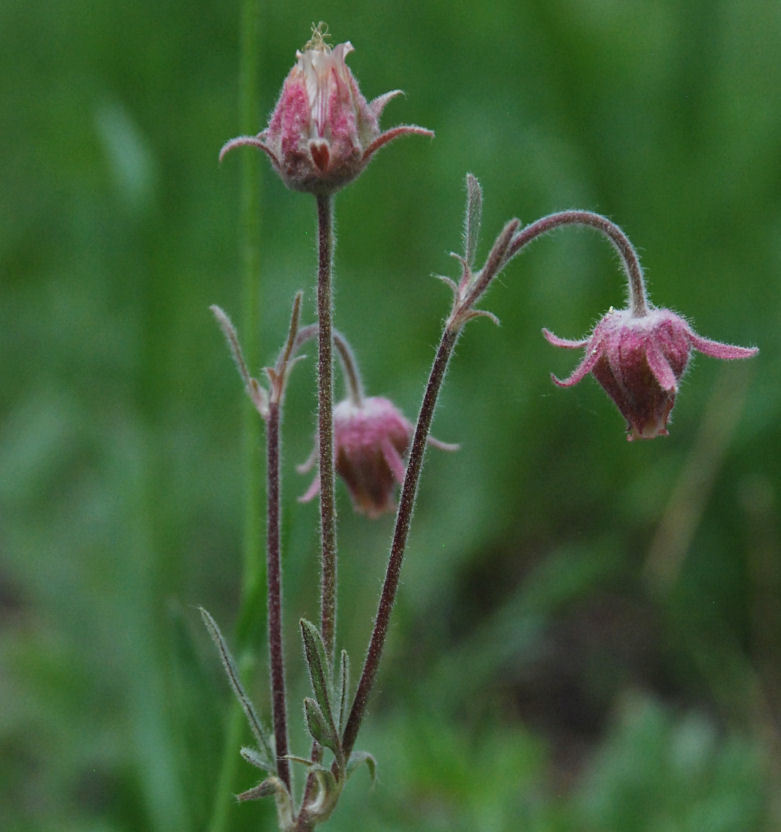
352 375
631 262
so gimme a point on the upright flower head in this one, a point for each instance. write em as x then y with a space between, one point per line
370 439
638 360
323 132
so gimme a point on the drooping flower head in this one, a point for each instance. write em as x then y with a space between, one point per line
639 360
323 132
370 440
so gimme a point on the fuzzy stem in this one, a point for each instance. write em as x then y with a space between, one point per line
274 572
630 260
400 534
496 260
325 422
303 824
352 375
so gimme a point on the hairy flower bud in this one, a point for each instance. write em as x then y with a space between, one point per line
370 440
639 360
323 132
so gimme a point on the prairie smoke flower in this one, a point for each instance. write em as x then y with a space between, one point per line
638 360
323 132
370 439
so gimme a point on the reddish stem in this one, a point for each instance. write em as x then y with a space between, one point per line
325 423
619 240
400 534
274 579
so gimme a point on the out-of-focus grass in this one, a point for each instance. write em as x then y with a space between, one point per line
539 673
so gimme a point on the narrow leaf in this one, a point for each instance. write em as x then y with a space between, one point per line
303 760
318 725
295 319
472 219
343 692
255 758
263 789
273 785
448 281
229 331
319 668
235 682
482 313
254 390
359 757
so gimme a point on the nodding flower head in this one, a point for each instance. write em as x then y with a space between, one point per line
639 360
370 440
323 132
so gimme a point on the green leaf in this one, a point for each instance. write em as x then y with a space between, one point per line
318 726
474 211
359 757
233 677
319 671
263 789
273 786
343 691
256 758
302 760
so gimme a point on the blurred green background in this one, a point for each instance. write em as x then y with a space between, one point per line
587 631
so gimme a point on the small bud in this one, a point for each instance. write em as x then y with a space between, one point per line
370 440
323 132
639 360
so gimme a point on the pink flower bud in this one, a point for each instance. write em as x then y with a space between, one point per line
639 360
323 132
370 440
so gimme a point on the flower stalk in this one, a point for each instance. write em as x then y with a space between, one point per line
278 377
638 300
325 421
268 404
274 578
400 535
352 374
